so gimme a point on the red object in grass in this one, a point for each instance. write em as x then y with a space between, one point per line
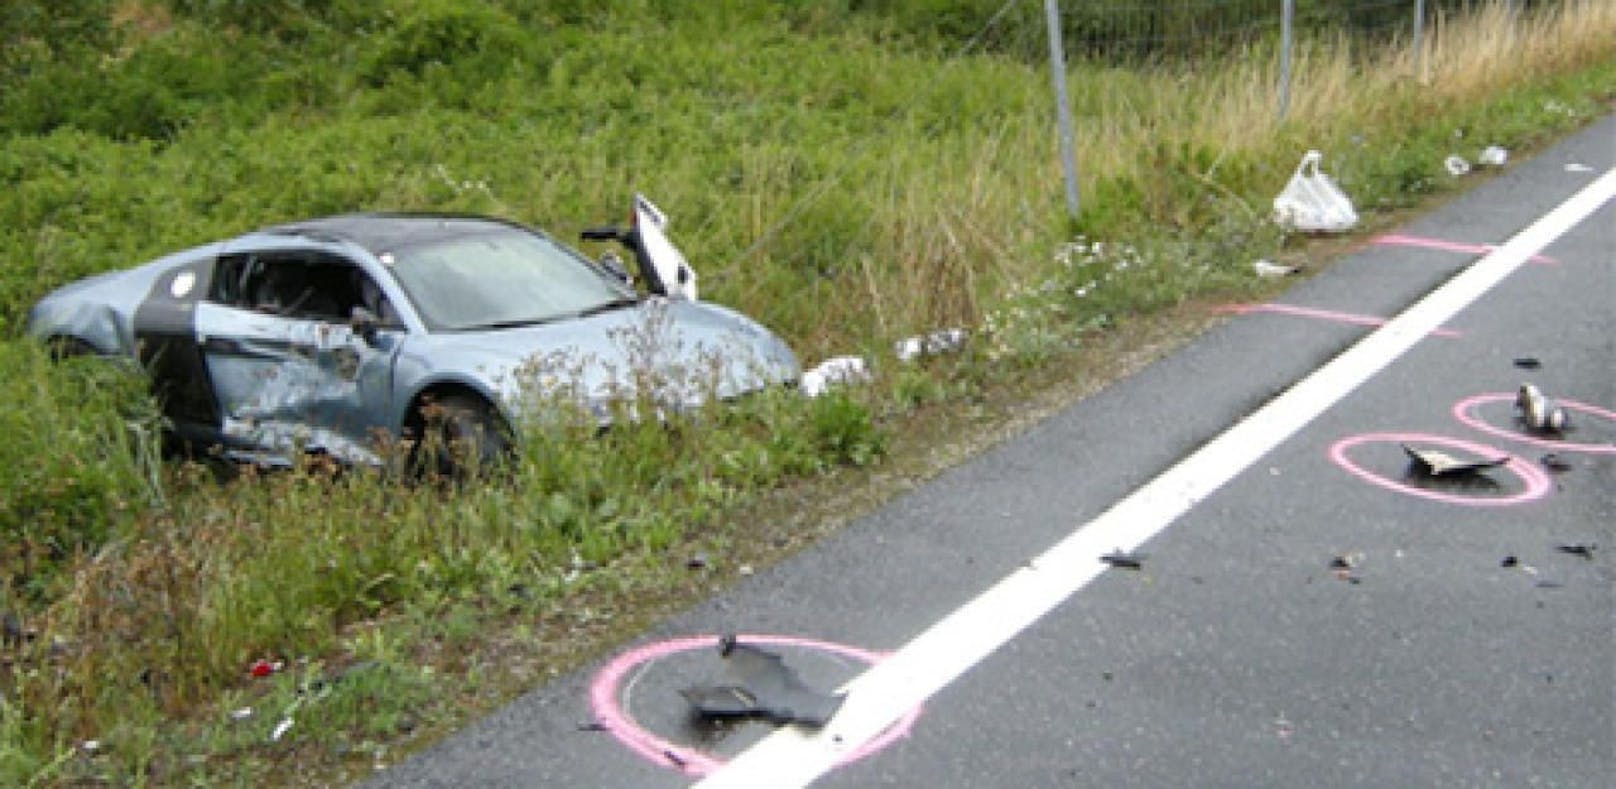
261 668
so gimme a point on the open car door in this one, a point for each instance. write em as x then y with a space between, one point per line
669 274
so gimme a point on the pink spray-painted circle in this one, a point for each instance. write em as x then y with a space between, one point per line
1465 411
1536 482
610 714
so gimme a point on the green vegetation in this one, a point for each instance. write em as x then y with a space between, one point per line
848 172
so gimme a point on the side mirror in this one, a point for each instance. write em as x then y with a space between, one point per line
364 323
611 233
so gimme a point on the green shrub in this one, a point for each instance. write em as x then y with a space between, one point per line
78 459
473 40
279 17
35 31
152 92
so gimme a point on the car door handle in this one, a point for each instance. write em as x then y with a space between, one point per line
256 349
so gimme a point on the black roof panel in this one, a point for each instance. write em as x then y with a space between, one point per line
380 233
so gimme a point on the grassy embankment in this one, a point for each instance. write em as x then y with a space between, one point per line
846 185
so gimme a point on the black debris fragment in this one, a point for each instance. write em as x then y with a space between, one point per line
1123 560
1548 583
764 687
697 562
673 756
592 726
1555 463
1434 463
1510 561
1528 362
1342 565
319 686
1583 549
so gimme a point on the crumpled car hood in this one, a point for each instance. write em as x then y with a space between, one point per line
677 353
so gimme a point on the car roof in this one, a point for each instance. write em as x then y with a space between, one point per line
386 232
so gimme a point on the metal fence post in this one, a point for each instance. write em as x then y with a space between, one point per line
1286 18
1057 64
1419 40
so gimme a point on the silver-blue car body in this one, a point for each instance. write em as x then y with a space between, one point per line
336 334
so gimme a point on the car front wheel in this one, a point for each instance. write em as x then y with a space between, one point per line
460 437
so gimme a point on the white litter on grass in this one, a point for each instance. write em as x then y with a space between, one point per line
1493 156
1456 165
940 341
1311 202
280 729
241 714
1270 269
90 746
834 371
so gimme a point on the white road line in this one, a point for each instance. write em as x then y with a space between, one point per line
879 696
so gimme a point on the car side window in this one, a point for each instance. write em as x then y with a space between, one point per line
302 285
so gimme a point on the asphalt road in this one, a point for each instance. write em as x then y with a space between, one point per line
1460 646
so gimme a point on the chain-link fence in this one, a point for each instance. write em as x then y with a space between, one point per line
1130 32
1182 33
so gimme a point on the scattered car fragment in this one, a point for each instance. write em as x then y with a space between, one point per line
328 334
937 342
763 687
1435 463
1583 549
1124 560
1537 412
1493 156
1343 567
1268 269
835 371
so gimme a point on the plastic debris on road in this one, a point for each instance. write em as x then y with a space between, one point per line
1435 463
1342 567
762 687
1537 412
1124 560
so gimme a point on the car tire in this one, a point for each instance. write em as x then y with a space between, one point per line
461 436
65 347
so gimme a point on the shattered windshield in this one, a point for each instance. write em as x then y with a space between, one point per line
501 278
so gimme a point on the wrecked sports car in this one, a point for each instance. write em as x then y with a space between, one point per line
337 335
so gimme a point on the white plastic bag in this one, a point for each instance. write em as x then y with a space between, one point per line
1312 203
